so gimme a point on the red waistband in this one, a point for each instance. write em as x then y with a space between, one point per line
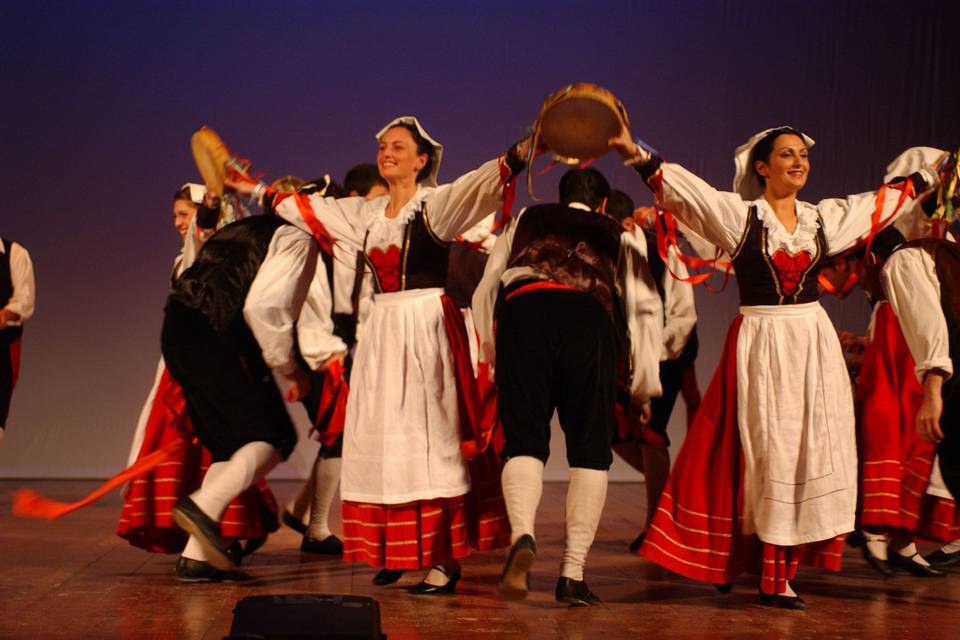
540 284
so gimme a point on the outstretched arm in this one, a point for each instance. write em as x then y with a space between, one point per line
718 216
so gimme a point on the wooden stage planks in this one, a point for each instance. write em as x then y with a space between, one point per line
73 578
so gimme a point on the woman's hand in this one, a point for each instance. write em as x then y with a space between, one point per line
298 384
625 146
928 417
335 358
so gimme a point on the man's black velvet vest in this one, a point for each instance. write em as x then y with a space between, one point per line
573 247
218 281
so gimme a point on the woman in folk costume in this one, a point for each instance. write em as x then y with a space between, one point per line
901 494
17 302
146 519
405 483
767 476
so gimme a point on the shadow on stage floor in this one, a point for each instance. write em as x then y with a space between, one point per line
73 578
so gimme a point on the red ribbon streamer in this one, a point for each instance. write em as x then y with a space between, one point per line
876 225
30 504
666 228
320 233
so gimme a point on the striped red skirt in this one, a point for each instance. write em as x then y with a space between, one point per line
896 464
696 531
417 535
146 520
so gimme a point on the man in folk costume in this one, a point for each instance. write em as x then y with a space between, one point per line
553 279
229 321
17 295
146 519
647 448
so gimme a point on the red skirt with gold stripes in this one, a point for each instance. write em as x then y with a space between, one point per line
896 465
146 520
419 534
697 529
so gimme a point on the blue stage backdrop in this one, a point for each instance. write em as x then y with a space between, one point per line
100 99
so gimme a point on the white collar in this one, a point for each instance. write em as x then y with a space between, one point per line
579 205
803 237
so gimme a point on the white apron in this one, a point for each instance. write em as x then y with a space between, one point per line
796 421
401 437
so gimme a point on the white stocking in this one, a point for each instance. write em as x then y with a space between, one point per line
586 496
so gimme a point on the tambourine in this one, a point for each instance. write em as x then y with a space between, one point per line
214 160
577 122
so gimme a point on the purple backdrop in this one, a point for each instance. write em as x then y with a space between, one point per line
101 97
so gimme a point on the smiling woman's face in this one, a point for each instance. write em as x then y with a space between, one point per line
183 212
397 158
788 166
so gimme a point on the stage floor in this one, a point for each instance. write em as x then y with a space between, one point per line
73 578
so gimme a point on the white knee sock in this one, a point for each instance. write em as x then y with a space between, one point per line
522 482
439 574
908 549
326 476
194 550
226 480
299 507
586 496
877 544
951 547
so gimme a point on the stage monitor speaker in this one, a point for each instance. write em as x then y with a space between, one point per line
304 616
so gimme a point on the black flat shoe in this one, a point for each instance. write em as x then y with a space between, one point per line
576 593
235 551
880 566
424 589
723 587
515 580
915 568
329 546
252 545
191 519
794 603
387 576
197 571
941 559
856 539
293 522
635 545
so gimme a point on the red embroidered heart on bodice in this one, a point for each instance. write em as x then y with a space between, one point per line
387 264
791 269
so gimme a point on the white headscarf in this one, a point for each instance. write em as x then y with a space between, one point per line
431 179
746 182
196 191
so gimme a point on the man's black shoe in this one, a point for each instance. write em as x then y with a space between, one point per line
293 522
197 571
329 546
515 580
576 593
191 519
